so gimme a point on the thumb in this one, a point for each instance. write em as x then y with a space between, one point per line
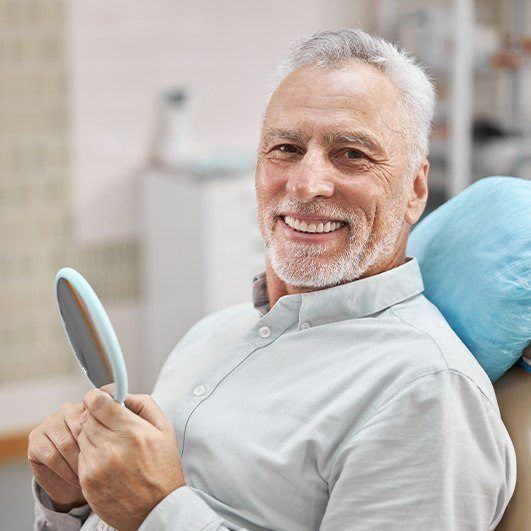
145 407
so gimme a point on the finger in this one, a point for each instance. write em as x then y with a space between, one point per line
76 489
72 421
84 468
104 408
145 407
109 388
86 446
97 433
65 443
42 453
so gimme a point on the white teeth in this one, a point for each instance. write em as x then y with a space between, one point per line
302 226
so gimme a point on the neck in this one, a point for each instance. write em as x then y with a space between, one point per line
277 288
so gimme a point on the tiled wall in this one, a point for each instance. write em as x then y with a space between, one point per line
35 196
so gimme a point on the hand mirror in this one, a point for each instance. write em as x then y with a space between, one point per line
90 332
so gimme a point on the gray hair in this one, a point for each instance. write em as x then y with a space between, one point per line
334 48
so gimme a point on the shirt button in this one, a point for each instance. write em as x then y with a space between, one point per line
200 390
264 331
306 325
102 526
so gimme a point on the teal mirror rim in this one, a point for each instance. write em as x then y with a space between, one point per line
103 327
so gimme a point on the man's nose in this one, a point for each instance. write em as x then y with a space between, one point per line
310 178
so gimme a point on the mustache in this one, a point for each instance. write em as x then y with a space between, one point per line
318 207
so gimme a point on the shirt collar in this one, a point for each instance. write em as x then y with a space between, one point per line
352 300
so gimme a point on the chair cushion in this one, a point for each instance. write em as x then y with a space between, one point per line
474 253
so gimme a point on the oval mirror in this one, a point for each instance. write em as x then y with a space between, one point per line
90 332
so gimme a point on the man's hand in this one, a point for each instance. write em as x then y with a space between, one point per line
53 456
129 459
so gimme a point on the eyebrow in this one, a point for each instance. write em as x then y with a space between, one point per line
328 138
282 134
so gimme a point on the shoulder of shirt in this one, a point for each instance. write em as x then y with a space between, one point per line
217 320
444 349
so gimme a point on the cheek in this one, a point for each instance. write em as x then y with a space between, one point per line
362 197
270 183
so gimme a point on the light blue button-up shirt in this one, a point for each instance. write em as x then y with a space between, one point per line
350 408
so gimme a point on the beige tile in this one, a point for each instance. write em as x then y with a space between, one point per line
35 210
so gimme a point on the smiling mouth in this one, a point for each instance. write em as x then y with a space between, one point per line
312 227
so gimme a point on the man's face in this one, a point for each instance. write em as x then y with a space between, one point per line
330 179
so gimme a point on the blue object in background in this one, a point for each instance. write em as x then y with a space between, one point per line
475 258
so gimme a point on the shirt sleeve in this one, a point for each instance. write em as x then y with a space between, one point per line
46 518
184 508
435 456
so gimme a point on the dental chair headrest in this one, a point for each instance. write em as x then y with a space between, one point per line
475 258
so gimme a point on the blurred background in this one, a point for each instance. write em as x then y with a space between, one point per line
128 133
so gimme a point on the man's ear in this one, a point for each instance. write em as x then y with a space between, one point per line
418 195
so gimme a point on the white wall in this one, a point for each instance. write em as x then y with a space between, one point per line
124 52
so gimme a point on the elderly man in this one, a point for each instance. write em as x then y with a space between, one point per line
342 400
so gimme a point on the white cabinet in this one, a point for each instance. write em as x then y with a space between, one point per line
200 249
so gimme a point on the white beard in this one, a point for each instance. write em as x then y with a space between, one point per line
307 265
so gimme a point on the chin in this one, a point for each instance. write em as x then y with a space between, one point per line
307 271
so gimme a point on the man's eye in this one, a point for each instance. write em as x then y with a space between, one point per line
286 148
354 154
